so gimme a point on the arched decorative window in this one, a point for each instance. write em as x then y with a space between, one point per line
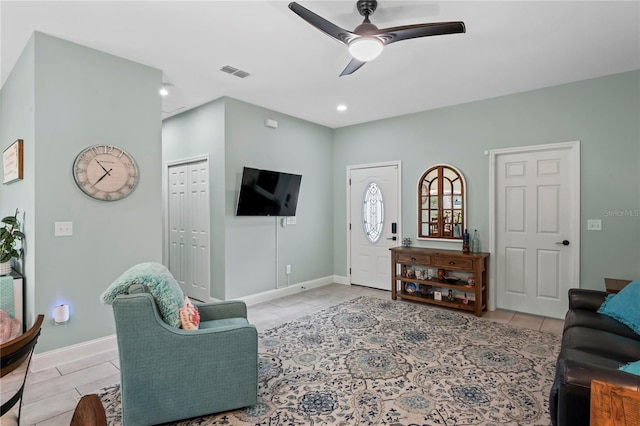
441 203
372 212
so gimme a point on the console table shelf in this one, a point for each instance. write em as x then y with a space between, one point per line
423 260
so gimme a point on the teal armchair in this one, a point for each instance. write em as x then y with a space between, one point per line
169 374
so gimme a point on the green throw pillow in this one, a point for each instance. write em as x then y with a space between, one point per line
157 279
624 306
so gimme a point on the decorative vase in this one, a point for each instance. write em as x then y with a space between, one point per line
5 268
475 242
465 241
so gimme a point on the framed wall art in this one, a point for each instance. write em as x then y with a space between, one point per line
13 162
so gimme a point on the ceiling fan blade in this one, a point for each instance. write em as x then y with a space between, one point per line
352 66
393 34
332 30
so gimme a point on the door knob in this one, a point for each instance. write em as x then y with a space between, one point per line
564 243
392 238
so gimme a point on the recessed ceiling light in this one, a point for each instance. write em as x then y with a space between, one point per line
163 91
341 108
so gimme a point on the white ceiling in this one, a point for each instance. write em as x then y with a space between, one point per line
509 47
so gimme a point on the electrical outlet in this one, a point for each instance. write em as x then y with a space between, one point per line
63 229
594 225
288 269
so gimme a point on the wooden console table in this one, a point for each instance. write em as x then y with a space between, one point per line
408 263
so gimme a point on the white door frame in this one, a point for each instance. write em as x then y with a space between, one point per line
574 152
398 164
165 192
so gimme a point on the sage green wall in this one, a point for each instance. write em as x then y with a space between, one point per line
253 243
196 133
245 249
85 97
18 102
601 113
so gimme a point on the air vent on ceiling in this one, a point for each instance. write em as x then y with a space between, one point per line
234 71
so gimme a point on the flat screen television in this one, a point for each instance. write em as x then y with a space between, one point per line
268 193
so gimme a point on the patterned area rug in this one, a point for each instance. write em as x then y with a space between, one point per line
373 361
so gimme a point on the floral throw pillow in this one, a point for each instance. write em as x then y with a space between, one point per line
189 315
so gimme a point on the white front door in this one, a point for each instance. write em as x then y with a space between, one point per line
188 223
537 227
374 209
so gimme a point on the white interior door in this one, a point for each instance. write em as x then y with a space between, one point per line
374 209
537 217
188 220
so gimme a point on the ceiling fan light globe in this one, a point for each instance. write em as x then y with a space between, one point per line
365 48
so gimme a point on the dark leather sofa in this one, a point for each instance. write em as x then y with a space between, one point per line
594 346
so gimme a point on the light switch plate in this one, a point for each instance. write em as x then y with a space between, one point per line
594 225
63 229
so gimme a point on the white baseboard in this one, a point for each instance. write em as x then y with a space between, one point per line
339 279
286 291
78 351
70 353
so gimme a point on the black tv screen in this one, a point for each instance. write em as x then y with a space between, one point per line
268 193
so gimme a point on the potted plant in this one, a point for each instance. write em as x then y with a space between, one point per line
10 234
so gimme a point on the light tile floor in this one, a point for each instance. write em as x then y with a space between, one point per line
51 395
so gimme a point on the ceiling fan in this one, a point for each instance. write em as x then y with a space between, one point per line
366 41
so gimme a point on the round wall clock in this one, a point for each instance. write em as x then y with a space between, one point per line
105 172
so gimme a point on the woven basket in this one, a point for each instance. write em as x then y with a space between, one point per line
5 268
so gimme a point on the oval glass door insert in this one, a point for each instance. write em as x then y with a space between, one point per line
373 213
